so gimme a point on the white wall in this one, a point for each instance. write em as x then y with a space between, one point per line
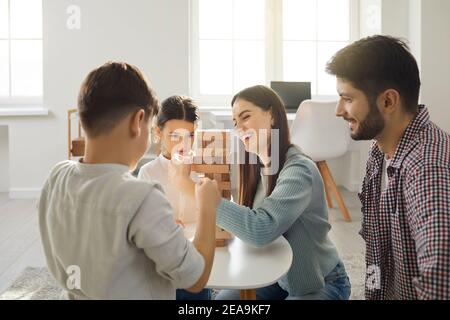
426 24
4 159
152 34
415 27
395 18
435 60
370 17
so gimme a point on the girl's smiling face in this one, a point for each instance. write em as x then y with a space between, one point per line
177 136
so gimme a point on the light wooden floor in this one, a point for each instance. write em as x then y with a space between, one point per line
345 235
20 245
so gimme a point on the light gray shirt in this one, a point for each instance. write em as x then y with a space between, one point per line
115 232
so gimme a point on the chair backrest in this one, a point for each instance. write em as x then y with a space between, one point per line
318 132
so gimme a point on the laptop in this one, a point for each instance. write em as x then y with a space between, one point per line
292 93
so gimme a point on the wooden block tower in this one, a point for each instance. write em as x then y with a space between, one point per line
212 160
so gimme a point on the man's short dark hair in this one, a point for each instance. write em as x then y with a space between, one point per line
112 92
377 63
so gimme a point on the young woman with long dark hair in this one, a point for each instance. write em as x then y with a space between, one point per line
281 194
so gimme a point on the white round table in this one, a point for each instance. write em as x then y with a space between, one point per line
243 267
240 266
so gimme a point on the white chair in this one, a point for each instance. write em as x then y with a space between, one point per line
322 136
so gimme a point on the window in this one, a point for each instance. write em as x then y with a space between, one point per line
230 49
239 43
21 78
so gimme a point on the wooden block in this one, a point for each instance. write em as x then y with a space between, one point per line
205 168
226 177
212 156
216 142
197 160
215 139
212 152
222 234
216 145
220 152
208 160
214 160
220 243
225 185
78 145
216 134
226 194
204 144
222 237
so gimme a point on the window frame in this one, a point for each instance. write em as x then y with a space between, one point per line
273 52
18 100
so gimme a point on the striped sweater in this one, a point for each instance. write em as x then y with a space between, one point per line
297 210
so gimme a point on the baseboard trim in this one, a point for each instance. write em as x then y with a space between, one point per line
18 194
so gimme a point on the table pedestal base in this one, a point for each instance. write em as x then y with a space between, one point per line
249 294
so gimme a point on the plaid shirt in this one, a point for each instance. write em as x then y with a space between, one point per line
407 226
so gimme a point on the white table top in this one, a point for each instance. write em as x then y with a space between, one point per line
242 266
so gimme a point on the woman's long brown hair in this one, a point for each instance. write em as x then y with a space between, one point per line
249 174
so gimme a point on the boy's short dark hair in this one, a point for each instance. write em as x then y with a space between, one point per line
110 93
378 63
177 108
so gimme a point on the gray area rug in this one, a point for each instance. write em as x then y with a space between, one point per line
34 284
38 284
356 269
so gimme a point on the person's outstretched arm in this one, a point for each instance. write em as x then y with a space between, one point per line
207 199
262 225
187 265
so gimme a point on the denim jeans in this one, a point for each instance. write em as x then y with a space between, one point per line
205 294
337 287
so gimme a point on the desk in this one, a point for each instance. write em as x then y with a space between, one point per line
240 266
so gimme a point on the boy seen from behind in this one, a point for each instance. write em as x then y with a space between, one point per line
106 234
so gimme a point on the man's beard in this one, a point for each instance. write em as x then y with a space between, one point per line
371 127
